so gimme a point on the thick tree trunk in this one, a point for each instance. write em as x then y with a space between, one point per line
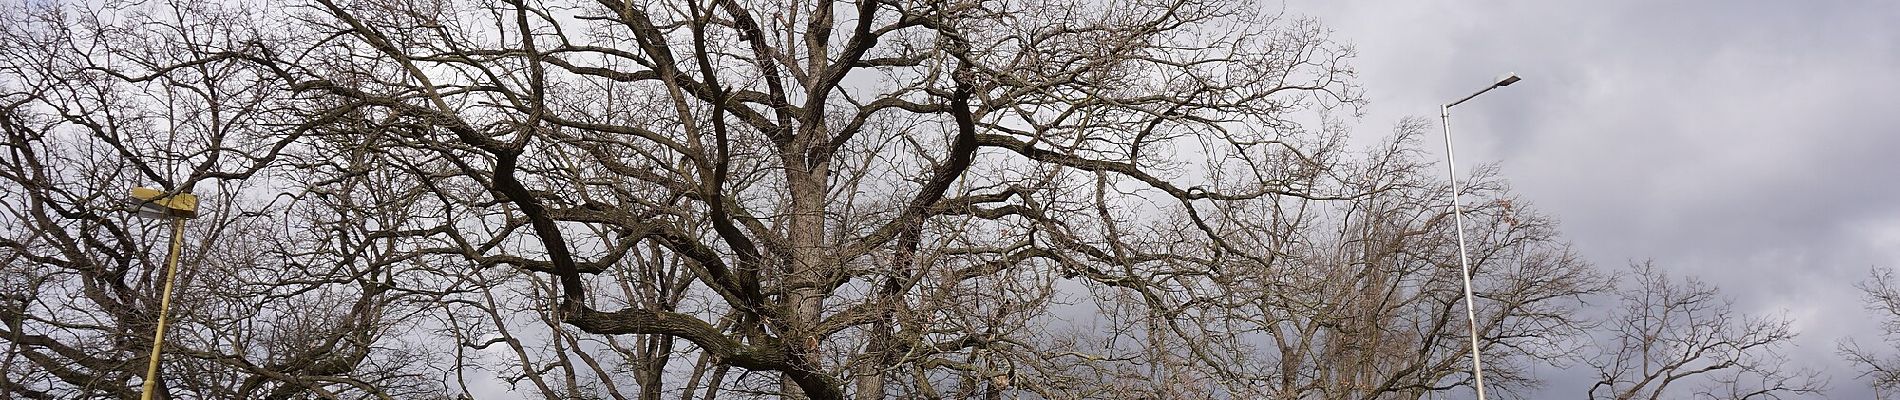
806 277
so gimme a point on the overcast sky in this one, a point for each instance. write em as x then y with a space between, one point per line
1748 143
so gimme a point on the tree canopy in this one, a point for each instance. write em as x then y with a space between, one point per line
705 198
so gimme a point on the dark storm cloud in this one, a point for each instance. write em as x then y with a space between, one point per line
1751 144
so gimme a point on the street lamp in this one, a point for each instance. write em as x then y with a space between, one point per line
153 203
1458 221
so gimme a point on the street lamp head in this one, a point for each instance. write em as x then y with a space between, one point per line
153 203
1508 79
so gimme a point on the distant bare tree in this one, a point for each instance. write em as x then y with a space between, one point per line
1669 333
1354 299
1881 368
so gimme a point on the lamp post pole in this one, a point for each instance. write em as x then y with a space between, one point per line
1458 222
164 308
175 208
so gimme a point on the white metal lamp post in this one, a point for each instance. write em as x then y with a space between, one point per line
1458 221
153 203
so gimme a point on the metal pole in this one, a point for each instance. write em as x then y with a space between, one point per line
164 307
1464 262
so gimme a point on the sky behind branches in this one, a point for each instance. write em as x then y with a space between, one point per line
1748 143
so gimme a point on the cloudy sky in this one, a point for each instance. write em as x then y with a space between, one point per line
1749 143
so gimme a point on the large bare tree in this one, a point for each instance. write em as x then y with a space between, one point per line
867 197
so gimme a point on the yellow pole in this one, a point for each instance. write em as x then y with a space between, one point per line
164 307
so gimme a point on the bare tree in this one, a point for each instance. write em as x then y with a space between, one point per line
1669 333
1358 298
1880 368
870 198
91 104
